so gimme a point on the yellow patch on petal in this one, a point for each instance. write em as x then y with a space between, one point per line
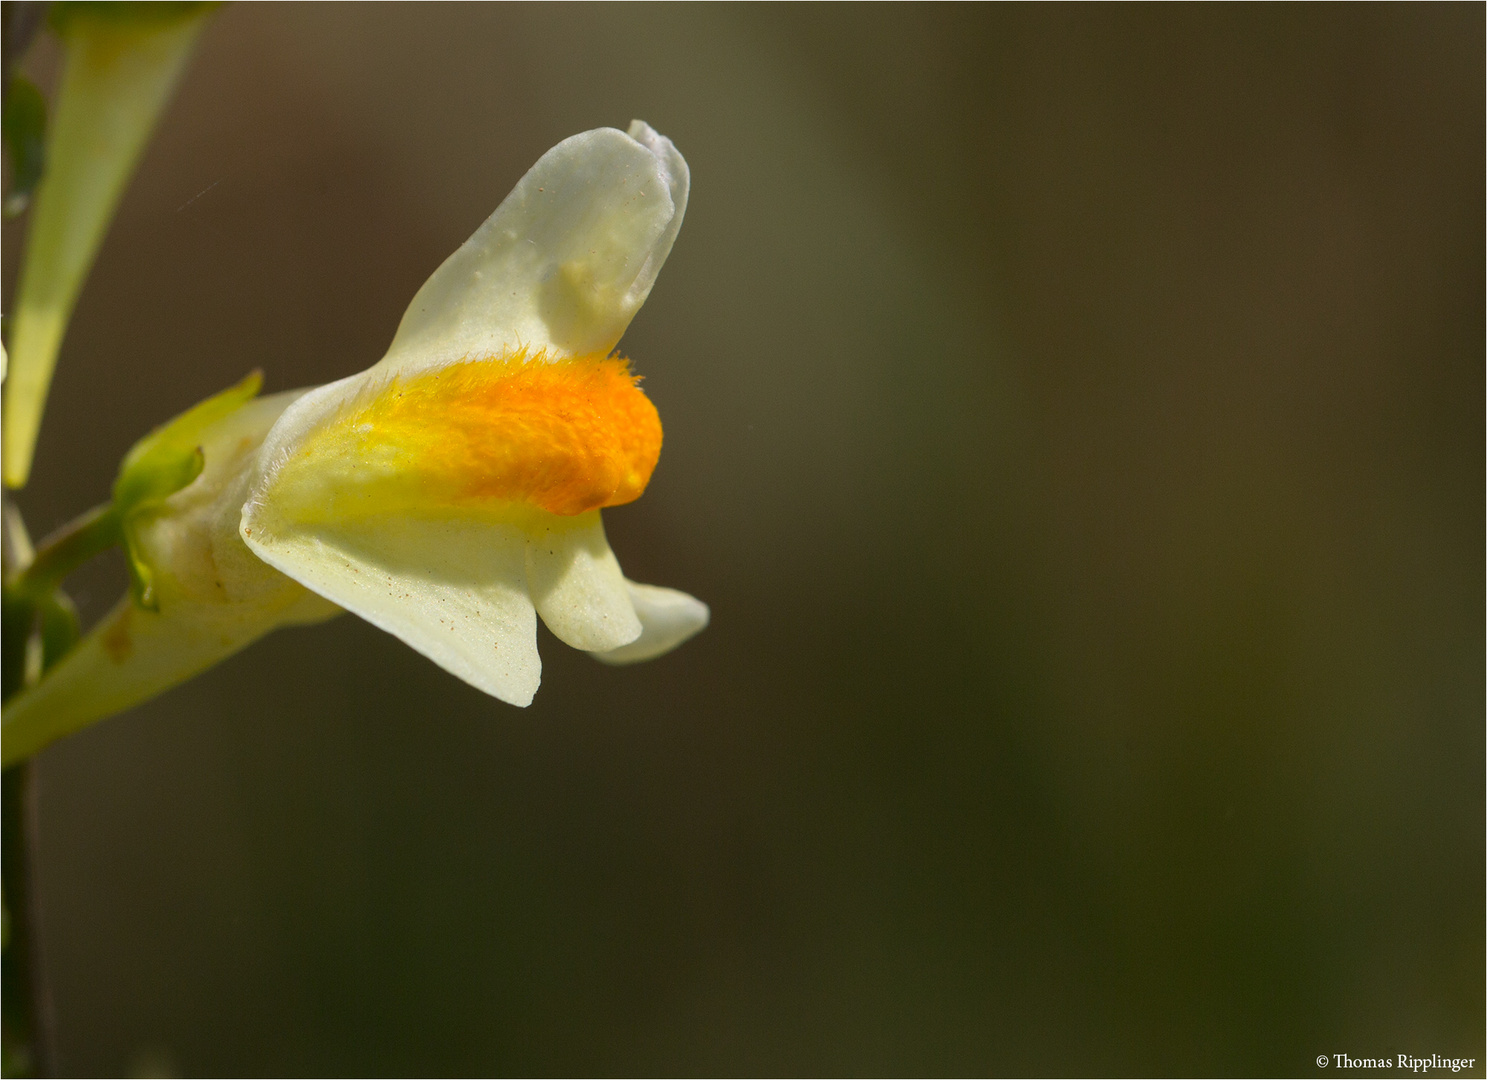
565 436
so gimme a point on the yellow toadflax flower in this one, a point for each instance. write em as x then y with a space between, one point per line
451 493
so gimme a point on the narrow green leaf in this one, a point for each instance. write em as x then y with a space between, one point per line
63 16
24 124
118 73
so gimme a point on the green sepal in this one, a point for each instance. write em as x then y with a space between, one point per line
169 458
159 465
24 124
158 474
141 575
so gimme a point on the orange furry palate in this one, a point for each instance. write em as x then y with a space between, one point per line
567 436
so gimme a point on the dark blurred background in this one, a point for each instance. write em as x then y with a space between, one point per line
1074 417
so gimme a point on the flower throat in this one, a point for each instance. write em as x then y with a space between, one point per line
565 436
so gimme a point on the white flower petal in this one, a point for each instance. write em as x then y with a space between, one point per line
668 617
678 178
565 261
454 590
577 585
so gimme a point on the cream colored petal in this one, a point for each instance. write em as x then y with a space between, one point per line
679 181
577 585
668 617
565 261
454 590
297 422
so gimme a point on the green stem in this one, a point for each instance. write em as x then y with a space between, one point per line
25 1008
65 550
37 628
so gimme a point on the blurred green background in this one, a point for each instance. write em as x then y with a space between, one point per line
1074 417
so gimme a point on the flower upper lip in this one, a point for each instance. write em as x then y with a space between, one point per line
563 264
